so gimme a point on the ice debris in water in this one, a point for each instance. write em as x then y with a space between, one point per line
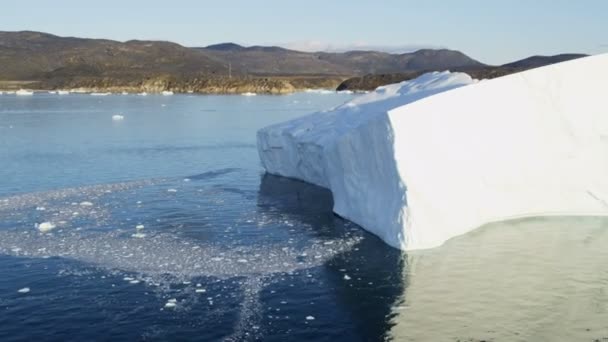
171 190
171 303
139 235
310 318
346 277
24 290
139 226
46 227
86 204
117 117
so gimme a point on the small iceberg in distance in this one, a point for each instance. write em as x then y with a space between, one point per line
167 93
100 94
320 91
118 117
23 92
45 227
249 94
426 160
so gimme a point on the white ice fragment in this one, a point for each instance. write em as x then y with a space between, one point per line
134 281
242 260
346 277
86 204
24 290
46 227
139 226
118 117
128 279
200 290
310 318
40 208
139 235
171 190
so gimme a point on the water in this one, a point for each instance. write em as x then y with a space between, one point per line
166 228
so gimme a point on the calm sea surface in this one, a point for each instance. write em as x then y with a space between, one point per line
166 228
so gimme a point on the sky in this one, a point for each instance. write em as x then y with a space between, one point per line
491 31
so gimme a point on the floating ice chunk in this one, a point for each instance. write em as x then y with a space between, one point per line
45 227
24 290
310 318
100 94
134 281
171 303
63 92
139 235
422 161
23 92
200 290
167 92
320 91
346 277
143 94
171 190
118 117
139 226
128 278
242 260
86 204
249 94
40 208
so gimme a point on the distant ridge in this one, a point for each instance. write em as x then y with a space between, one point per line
50 61
224 47
538 61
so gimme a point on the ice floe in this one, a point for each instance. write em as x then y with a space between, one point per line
425 160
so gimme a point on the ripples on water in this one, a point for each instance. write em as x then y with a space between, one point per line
183 239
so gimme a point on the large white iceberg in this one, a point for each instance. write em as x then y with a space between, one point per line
420 162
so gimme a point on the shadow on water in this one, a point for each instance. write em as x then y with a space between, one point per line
365 281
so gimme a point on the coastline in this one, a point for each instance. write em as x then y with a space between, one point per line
271 85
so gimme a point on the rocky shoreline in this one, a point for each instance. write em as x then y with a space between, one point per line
198 85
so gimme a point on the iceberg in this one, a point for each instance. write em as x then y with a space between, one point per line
422 161
23 92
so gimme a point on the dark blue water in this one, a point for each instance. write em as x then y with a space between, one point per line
166 228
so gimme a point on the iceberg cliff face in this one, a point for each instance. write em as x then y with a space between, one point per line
422 161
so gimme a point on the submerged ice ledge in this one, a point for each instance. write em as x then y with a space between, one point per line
422 161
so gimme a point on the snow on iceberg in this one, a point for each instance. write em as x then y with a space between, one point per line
417 164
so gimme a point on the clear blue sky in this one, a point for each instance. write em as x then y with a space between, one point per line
490 31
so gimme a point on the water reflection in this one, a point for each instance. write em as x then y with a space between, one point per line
365 281
541 279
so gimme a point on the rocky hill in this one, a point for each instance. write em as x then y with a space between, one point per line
45 61
262 60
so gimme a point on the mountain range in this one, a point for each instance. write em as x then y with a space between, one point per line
42 60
